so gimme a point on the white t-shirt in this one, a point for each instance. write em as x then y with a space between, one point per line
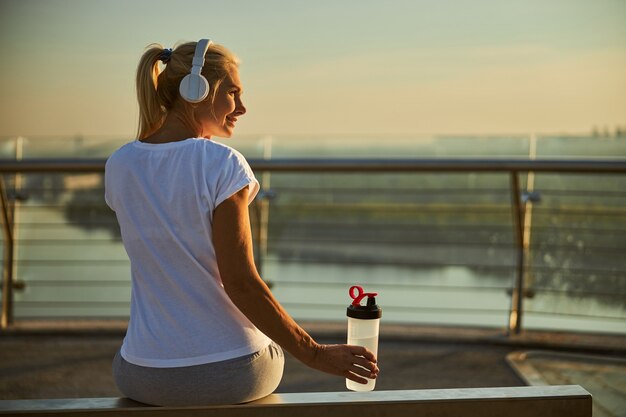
164 196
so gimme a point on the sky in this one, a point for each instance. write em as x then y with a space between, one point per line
327 66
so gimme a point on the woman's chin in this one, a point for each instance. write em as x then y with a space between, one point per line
222 134
226 133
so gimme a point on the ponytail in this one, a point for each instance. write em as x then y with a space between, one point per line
151 111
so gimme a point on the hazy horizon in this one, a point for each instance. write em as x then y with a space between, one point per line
345 68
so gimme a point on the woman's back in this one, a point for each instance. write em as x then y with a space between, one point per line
180 314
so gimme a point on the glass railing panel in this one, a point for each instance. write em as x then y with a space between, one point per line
577 253
67 250
438 247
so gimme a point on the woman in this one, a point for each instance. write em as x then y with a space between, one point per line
204 328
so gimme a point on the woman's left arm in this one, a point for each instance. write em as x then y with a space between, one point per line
234 251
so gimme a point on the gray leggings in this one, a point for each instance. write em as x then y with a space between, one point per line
232 381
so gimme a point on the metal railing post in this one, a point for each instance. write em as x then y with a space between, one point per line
264 205
263 219
262 211
517 295
6 319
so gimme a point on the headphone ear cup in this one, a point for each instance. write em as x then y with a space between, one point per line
194 88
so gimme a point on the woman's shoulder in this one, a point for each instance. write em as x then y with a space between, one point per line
119 153
217 146
220 150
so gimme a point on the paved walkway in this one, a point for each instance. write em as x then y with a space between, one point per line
604 377
42 362
80 366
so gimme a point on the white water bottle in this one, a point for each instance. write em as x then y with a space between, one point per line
363 326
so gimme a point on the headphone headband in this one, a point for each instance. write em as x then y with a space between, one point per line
198 59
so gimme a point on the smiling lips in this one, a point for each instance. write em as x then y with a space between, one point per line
231 120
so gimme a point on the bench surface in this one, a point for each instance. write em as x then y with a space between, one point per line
536 401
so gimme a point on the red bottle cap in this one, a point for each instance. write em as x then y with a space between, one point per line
359 295
366 312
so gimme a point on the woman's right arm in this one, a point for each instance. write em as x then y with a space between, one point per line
233 248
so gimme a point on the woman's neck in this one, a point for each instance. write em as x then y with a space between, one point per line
172 130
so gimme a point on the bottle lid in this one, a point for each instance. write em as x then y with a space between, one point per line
369 311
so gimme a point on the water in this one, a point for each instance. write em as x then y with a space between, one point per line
438 247
370 343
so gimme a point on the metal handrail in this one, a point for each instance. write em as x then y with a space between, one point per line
512 166
595 166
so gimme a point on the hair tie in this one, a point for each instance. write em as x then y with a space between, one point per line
165 55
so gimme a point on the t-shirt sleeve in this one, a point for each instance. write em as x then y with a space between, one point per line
236 175
108 185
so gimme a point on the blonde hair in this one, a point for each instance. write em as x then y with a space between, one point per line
157 91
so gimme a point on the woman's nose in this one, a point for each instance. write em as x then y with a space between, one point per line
240 108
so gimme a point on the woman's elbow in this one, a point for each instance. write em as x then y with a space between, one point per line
238 288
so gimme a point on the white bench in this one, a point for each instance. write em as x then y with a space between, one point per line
543 401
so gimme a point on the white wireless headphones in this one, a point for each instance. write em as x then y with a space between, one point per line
194 87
